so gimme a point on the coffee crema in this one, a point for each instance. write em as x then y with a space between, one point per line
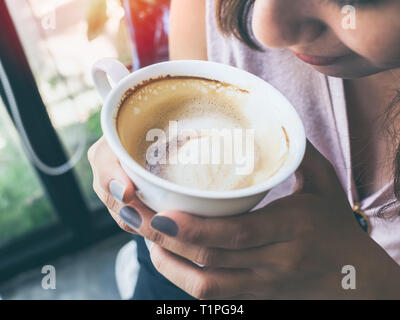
199 133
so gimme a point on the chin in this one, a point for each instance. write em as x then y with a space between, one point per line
353 71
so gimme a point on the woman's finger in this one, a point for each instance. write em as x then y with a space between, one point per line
121 222
280 256
108 175
110 182
201 283
280 221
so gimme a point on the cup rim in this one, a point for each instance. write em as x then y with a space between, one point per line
108 125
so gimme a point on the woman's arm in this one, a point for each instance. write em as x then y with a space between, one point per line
187 37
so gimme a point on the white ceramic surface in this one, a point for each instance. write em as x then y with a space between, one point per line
160 194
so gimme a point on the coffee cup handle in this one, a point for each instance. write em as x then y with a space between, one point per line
104 68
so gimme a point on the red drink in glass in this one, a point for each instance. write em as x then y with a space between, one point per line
148 22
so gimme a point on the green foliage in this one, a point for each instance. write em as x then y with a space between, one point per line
23 205
93 127
82 169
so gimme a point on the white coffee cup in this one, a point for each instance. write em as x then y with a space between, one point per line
162 195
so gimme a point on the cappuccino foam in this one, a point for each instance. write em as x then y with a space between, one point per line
193 113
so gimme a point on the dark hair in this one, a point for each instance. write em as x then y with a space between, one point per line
233 19
390 117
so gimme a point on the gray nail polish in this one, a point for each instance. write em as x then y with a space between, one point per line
117 189
130 217
164 225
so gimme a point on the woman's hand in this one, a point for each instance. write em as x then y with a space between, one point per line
111 184
295 247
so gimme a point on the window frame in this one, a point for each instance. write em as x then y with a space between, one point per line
78 226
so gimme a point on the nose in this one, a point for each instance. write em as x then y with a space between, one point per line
285 23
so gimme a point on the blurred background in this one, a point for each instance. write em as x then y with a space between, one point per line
53 217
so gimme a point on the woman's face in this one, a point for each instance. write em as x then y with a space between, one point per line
347 44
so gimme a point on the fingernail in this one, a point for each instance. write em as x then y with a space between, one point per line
130 217
164 225
117 189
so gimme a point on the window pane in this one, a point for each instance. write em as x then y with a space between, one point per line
62 39
23 205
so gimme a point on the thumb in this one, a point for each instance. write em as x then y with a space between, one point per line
317 175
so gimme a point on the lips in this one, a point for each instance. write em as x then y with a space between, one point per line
317 60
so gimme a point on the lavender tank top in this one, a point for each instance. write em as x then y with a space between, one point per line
320 102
